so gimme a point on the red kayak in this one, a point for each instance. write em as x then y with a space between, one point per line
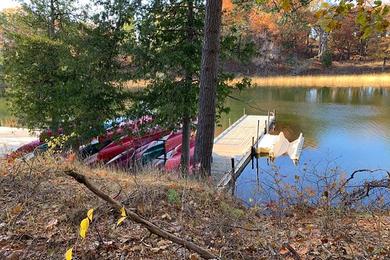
173 141
125 127
108 153
118 131
122 140
174 162
24 149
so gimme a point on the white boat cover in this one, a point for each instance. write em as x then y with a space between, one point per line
277 145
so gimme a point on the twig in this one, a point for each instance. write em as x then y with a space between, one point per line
246 229
136 218
294 253
352 176
97 231
119 192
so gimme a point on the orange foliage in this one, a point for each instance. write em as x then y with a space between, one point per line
227 5
262 22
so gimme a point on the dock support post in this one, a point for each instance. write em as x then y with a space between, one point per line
244 111
253 151
265 127
257 173
257 169
258 126
229 121
268 121
233 177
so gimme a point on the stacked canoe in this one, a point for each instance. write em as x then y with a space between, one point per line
128 145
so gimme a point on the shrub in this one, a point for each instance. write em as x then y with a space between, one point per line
326 59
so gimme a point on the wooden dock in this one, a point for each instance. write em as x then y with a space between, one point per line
232 148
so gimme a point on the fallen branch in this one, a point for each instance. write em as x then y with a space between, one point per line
364 191
352 176
136 218
293 252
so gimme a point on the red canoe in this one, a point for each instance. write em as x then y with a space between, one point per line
173 141
108 153
24 149
174 162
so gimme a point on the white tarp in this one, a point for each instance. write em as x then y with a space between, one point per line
277 145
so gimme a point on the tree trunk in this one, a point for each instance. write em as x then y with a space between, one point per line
323 42
51 25
208 86
185 155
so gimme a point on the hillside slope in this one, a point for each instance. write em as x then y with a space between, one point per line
41 209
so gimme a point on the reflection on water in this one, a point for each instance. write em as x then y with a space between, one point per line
344 128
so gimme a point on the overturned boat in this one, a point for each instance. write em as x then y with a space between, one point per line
277 145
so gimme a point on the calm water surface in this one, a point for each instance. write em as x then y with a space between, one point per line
345 129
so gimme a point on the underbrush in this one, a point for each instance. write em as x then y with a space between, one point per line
41 209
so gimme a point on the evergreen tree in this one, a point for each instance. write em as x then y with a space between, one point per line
168 55
62 69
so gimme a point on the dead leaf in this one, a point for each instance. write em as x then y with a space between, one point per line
194 257
166 216
17 209
51 224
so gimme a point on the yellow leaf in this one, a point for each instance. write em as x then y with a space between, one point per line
84 227
123 212
90 214
120 220
68 254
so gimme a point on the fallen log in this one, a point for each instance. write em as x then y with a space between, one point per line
136 218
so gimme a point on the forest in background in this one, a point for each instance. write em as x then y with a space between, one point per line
300 41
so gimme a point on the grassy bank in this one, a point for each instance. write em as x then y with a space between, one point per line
381 80
42 208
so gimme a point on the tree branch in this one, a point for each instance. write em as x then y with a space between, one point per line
136 218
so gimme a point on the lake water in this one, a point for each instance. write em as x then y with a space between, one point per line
345 129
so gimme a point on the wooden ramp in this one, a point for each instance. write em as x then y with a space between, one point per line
236 142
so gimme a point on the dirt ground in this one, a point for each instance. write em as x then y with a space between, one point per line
41 209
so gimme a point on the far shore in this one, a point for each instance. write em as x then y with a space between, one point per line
376 80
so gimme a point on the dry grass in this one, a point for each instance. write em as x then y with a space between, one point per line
41 209
381 80
135 85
